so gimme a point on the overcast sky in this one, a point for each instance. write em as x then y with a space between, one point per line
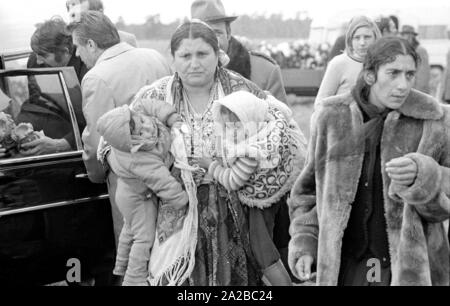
135 11
18 17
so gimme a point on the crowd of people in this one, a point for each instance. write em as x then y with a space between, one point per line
211 181
298 54
389 26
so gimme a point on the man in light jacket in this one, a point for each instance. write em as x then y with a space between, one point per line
255 66
117 72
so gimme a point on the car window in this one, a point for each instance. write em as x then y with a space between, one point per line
15 60
34 106
16 63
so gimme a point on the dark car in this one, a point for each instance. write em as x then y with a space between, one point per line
55 224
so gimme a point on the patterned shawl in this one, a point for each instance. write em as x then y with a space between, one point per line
230 82
170 263
266 186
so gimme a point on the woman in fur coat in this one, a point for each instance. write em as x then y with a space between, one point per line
369 207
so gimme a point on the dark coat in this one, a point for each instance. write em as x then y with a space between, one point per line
55 123
75 62
257 67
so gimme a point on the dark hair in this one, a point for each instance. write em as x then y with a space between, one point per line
396 21
94 5
384 51
51 37
383 24
194 30
228 27
414 42
438 66
96 26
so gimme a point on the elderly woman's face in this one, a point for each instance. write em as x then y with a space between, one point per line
196 62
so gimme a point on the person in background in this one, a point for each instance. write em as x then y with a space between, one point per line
52 47
386 26
76 7
396 21
117 72
255 66
343 70
436 76
375 189
423 69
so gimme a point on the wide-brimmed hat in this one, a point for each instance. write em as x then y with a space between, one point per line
407 29
210 11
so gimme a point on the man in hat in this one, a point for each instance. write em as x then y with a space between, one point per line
423 70
255 66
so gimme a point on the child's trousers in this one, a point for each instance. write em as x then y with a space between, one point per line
138 232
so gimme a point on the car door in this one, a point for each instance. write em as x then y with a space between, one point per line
50 212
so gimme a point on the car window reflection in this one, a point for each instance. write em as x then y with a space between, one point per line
34 117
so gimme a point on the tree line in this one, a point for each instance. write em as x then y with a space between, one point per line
254 26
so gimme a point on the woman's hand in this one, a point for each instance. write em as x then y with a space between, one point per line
44 145
303 267
402 171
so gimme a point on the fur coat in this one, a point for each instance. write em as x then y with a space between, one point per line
322 197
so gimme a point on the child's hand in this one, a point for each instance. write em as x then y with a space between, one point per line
181 126
204 162
174 120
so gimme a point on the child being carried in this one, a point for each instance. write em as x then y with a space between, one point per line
140 157
262 153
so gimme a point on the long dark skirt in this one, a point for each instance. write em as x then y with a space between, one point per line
223 256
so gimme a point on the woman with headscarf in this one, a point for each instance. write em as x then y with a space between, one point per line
223 254
343 70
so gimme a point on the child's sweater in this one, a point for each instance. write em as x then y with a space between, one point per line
233 178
